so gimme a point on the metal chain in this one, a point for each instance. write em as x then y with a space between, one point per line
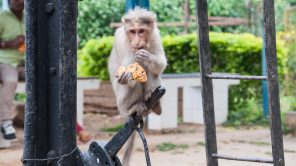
146 150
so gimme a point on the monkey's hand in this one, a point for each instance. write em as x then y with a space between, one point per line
143 56
155 63
124 78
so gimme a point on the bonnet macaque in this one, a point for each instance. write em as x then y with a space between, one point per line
136 41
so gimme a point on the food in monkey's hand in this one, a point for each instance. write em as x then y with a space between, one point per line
137 71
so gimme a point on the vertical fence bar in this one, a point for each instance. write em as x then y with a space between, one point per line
50 116
273 87
207 87
68 79
35 143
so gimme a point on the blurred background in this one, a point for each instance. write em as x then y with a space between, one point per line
235 40
236 43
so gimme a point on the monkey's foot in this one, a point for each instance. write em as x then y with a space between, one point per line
131 112
148 94
143 113
138 108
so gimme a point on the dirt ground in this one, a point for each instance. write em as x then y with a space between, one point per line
182 147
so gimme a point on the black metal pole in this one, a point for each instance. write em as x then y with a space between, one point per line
207 87
50 116
273 87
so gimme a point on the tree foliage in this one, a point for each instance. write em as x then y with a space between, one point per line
95 16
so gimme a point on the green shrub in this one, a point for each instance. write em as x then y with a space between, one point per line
93 58
290 73
231 53
288 103
246 112
21 97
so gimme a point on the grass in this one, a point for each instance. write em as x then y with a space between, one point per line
168 146
258 143
201 143
268 153
113 129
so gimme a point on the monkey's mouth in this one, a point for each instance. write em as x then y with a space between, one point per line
135 49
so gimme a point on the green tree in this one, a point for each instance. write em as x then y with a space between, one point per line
95 16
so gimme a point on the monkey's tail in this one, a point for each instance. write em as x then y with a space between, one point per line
129 149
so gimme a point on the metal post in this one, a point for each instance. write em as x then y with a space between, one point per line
130 4
207 87
273 87
50 116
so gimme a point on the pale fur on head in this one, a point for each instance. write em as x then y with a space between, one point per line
140 16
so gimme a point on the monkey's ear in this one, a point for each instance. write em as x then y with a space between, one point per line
125 20
153 20
150 20
154 17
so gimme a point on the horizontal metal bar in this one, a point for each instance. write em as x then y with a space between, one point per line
237 77
240 158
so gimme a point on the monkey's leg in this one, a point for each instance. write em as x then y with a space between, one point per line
149 92
151 85
157 108
139 108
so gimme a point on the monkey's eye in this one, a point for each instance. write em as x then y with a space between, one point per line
141 31
132 31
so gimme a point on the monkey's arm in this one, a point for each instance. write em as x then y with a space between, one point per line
115 61
156 63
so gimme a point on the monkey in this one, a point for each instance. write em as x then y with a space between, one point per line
137 40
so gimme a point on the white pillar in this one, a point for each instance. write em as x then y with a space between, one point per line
192 105
169 105
83 84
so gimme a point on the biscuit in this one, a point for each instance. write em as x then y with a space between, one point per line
138 72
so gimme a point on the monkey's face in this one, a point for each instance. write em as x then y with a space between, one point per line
138 37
